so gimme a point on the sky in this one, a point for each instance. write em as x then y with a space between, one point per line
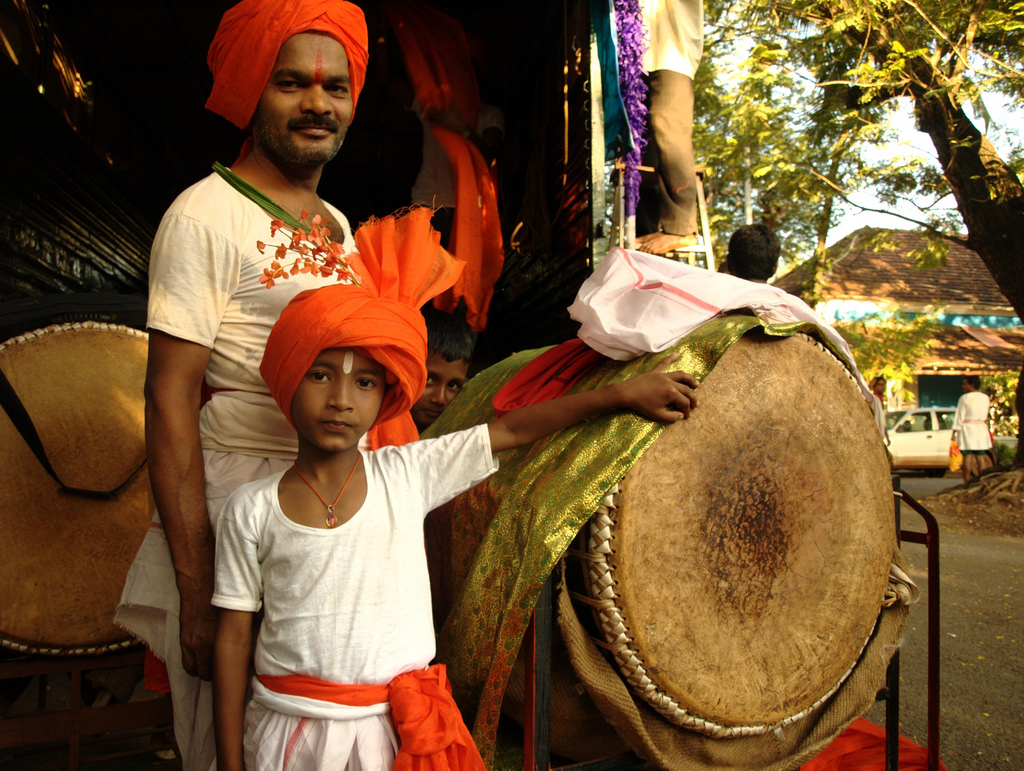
1005 132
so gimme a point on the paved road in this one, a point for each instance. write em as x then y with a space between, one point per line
982 625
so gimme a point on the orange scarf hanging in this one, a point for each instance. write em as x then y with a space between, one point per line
438 64
395 432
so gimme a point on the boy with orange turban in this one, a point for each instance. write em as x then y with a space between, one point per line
332 548
289 72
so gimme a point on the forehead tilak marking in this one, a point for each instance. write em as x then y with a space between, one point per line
318 76
346 364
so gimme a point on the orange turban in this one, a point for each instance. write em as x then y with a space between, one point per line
251 34
401 265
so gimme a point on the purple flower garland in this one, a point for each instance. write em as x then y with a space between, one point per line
632 44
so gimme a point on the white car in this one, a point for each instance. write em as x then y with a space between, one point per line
919 439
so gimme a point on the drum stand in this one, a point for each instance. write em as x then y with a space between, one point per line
135 718
891 692
537 698
537 708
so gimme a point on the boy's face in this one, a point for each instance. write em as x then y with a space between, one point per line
444 381
338 400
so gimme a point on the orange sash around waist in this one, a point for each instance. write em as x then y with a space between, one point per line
430 728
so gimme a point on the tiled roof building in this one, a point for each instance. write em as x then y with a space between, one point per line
860 273
981 332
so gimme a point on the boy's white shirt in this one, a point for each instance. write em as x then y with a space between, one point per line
351 604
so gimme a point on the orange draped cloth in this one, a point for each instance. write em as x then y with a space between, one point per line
250 35
861 747
396 432
400 265
433 735
438 64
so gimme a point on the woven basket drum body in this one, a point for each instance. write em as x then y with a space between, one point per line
65 554
747 552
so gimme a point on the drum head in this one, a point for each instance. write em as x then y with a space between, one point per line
750 548
66 555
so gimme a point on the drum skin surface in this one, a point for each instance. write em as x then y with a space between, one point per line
753 541
65 554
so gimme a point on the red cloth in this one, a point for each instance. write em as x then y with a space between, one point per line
250 34
430 727
548 376
438 63
861 747
154 673
400 266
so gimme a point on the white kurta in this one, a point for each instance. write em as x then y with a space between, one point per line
676 35
204 288
970 425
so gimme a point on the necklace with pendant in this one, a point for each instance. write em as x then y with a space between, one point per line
332 520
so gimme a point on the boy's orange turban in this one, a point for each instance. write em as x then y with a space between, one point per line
401 266
250 34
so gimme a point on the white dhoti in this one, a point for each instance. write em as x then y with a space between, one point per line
149 607
278 742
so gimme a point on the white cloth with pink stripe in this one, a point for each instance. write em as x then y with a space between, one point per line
638 303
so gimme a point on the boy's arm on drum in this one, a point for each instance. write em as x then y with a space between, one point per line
174 377
657 395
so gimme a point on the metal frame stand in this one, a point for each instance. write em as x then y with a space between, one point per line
537 706
78 720
537 711
930 540
624 230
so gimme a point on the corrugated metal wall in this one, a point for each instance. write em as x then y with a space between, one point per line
63 226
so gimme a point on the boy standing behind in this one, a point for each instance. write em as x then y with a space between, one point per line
450 343
333 548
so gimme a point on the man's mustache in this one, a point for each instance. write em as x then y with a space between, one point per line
314 121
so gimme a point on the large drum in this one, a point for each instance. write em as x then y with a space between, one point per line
742 563
68 537
734 576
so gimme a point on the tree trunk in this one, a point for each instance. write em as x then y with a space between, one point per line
1019 405
988 194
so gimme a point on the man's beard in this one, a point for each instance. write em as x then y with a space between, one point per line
282 147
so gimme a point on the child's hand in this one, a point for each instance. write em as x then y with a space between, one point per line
660 395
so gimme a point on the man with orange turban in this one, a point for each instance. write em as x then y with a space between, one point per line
289 72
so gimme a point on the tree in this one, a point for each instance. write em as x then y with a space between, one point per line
762 119
889 346
942 54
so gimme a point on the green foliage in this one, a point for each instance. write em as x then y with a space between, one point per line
1005 455
1002 389
795 97
933 254
889 346
752 122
